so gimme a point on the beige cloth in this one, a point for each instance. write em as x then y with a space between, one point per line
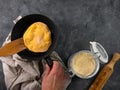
24 75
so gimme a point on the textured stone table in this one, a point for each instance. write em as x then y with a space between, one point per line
78 21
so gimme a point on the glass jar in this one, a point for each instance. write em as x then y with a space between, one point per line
98 53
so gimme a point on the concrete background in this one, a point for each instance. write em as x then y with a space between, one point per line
78 21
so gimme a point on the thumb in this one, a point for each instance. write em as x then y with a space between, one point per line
47 70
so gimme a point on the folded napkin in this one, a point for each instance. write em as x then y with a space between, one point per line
22 74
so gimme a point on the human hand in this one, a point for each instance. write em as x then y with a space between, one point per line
54 78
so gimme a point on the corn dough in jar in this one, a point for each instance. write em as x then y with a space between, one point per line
83 64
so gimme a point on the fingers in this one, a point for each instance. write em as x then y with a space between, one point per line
47 70
55 67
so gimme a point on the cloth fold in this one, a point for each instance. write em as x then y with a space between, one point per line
21 74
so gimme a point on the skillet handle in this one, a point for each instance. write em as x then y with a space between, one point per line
49 62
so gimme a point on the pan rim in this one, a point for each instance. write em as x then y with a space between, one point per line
35 56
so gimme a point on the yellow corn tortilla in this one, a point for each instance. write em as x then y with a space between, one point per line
37 37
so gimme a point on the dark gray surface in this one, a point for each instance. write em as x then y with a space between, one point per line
78 21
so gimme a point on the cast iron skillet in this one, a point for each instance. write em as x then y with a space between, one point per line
22 25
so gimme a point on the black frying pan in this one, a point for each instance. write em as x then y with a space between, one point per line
22 25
